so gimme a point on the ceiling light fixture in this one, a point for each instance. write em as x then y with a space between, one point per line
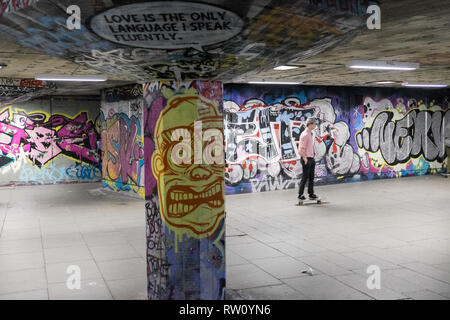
78 78
281 68
424 85
271 82
384 82
383 65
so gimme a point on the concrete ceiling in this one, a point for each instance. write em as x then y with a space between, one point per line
246 37
26 63
411 30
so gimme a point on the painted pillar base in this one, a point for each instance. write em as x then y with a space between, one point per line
184 181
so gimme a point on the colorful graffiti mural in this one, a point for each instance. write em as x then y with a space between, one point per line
401 136
263 139
123 153
45 137
37 139
122 139
357 137
185 199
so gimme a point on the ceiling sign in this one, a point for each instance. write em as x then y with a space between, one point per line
167 25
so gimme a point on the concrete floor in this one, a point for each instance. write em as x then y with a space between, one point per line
48 228
400 225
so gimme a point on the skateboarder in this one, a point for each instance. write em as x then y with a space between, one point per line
306 150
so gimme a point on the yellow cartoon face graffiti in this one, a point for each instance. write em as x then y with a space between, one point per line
191 192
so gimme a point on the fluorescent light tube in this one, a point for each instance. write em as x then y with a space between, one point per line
280 68
424 85
383 65
381 68
81 78
271 82
384 82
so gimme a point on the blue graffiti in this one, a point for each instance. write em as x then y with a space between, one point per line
52 37
46 175
84 172
53 175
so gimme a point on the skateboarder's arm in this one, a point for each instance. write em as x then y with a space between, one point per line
303 155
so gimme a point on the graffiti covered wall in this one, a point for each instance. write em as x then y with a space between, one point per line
47 142
362 134
185 206
122 140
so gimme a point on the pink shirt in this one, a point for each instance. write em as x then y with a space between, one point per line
306 141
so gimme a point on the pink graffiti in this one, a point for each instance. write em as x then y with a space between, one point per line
151 113
43 141
78 137
129 150
368 166
44 147
15 136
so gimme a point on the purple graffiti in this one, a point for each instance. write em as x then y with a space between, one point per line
43 140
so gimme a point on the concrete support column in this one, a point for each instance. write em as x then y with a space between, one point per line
184 184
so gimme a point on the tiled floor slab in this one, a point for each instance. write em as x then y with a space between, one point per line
399 225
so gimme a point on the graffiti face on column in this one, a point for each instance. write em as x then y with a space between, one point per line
190 191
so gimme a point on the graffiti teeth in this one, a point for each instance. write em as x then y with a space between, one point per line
181 203
215 203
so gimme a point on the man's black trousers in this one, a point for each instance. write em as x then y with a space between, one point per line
308 175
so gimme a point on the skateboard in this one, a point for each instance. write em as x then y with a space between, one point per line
445 175
308 201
